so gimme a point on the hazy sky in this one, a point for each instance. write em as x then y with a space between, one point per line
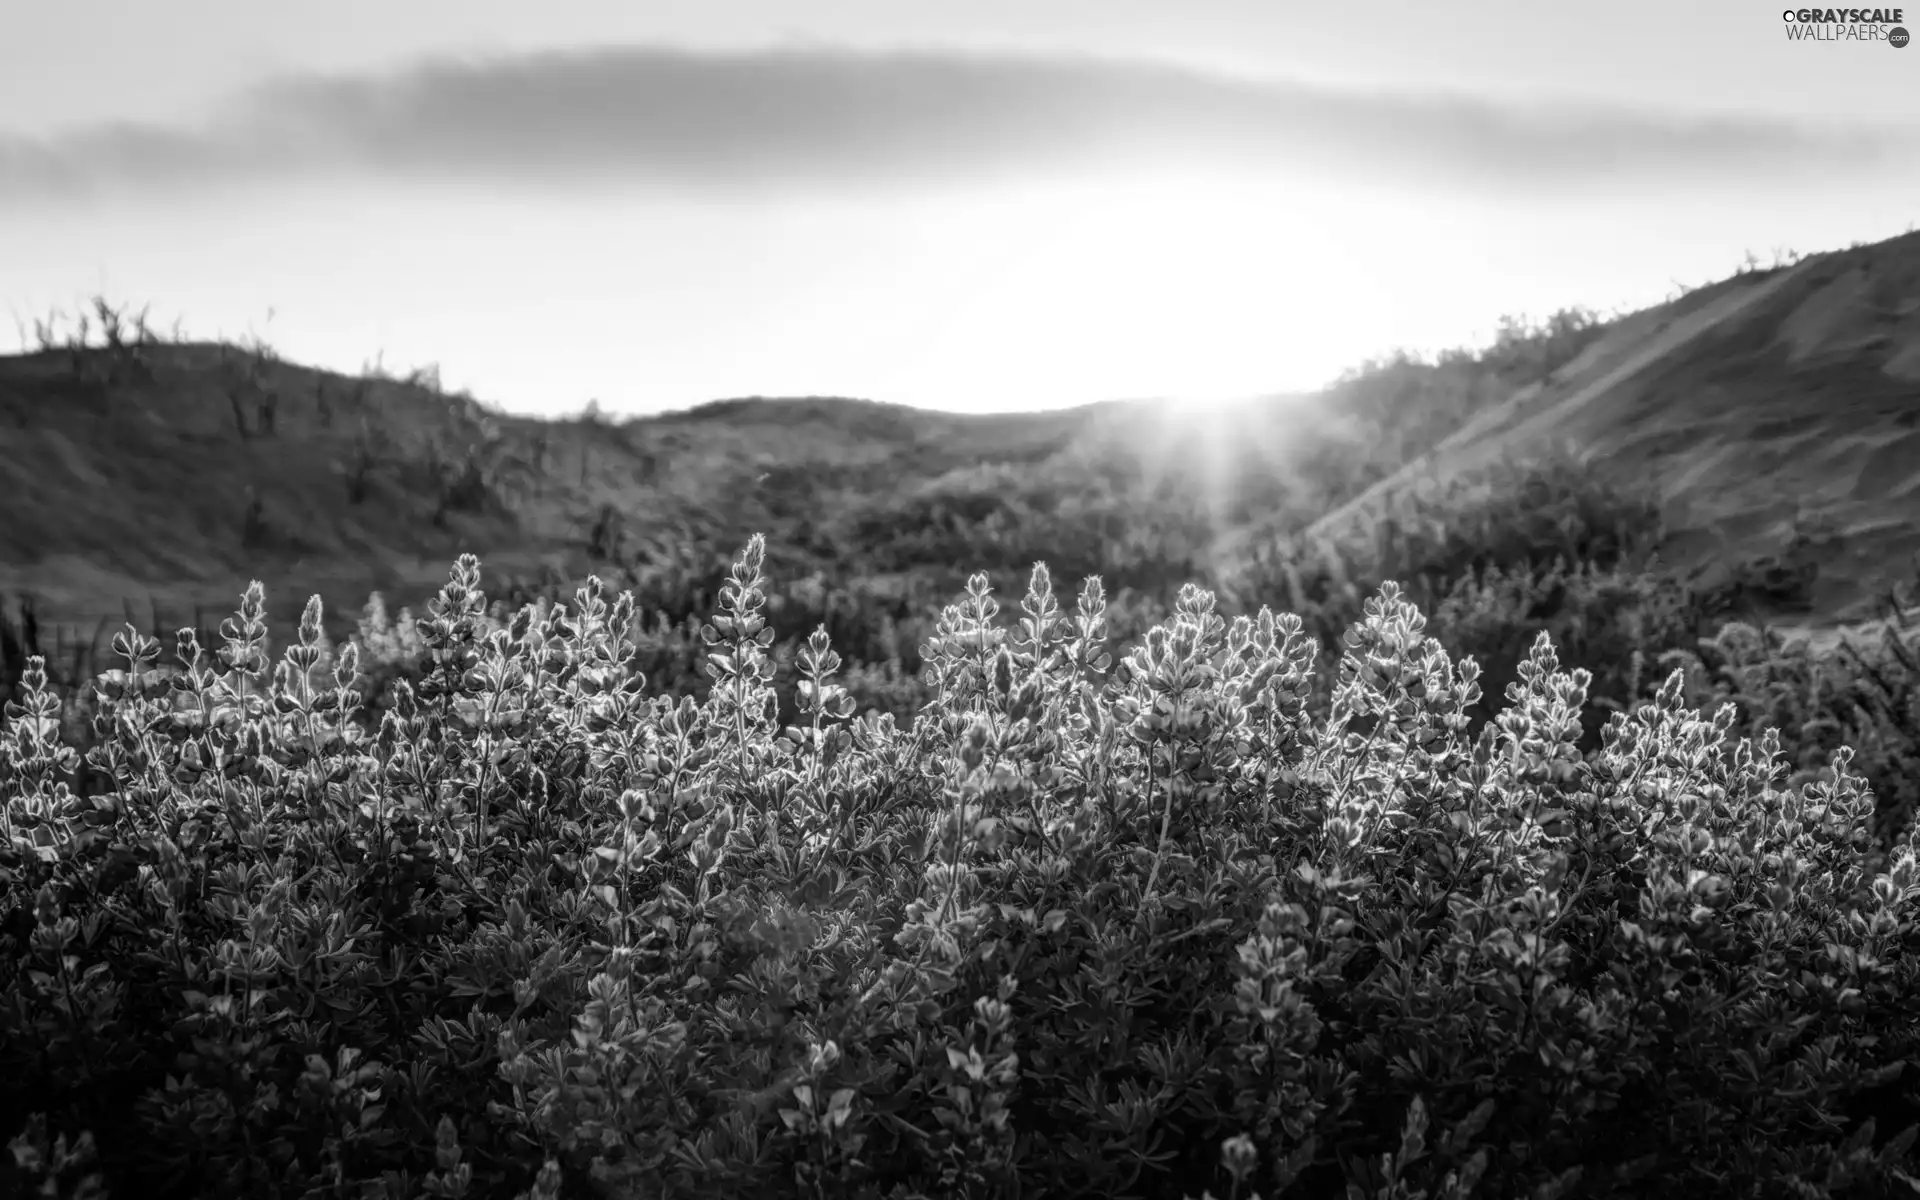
986 205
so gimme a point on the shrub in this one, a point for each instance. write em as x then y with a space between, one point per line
1615 623
1864 695
1145 927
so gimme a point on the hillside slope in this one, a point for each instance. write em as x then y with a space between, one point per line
159 481
1768 404
154 481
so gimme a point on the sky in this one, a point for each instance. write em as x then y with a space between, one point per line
990 206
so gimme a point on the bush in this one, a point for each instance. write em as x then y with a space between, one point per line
1864 695
1615 623
1081 927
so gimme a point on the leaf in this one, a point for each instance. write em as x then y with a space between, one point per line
1467 1128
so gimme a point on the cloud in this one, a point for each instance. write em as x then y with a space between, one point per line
811 118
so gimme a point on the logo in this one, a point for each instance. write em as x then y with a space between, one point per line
1846 25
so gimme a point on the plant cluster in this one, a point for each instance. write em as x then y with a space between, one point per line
1864 694
246 372
104 344
1082 926
1001 520
1547 547
476 469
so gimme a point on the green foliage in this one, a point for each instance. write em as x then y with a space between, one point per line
810 874
1084 925
1864 694
1515 516
475 468
104 345
245 374
1611 621
878 624
359 470
1547 547
1390 411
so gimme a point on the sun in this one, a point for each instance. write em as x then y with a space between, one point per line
1217 449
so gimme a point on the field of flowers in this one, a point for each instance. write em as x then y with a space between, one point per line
1485 856
1230 912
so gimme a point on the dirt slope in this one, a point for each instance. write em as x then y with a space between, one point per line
1770 402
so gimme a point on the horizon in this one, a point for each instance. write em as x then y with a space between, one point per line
61 321
1001 209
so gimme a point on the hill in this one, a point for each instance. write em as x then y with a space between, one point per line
1772 416
1776 410
167 475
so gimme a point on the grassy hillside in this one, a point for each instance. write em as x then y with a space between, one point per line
1774 417
163 475
1632 485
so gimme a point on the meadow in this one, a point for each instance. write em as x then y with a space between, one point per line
985 835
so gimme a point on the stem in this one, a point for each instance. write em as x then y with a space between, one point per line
1166 819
